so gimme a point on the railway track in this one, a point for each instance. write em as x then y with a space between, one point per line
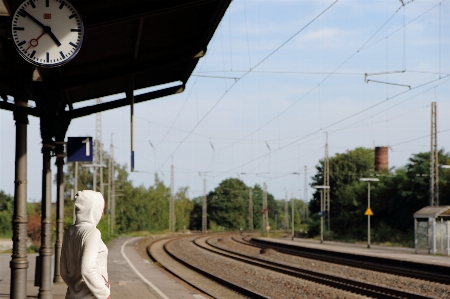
349 285
341 283
206 283
432 273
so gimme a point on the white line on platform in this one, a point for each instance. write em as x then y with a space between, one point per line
158 291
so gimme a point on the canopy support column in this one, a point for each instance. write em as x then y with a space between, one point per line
19 261
46 251
59 210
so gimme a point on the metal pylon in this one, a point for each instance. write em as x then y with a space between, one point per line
98 153
265 212
434 163
250 209
204 209
326 182
172 203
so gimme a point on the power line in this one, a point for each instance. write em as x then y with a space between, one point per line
333 124
321 82
418 138
244 75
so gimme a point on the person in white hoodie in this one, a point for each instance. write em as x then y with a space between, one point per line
83 254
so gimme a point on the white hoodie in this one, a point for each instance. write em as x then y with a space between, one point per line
83 253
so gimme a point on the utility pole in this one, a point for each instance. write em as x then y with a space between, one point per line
326 182
172 202
111 187
434 163
265 212
250 209
98 153
305 192
292 208
204 217
286 213
110 183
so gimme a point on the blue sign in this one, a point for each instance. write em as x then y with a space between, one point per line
321 214
79 149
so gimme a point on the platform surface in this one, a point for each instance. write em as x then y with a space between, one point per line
396 253
130 275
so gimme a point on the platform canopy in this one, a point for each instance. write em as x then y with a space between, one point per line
433 212
128 45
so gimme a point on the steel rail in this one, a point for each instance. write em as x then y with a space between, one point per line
241 290
318 277
154 259
432 273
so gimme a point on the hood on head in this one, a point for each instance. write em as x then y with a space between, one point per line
89 207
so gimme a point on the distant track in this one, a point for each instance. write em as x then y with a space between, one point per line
161 258
217 261
318 277
433 273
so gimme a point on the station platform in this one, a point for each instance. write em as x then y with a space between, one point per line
130 275
395 253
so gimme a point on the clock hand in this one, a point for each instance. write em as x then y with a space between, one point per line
34 42
47 29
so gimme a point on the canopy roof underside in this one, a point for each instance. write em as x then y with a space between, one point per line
433 212
127 44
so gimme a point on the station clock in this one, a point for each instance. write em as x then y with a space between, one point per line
47 33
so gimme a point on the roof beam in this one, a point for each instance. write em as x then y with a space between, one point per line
103 74
11 107
120 13
80 112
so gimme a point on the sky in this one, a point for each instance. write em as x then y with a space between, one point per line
278 77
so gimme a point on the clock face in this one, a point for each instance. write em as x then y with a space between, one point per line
47 33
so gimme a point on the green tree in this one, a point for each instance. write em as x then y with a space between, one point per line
183 209
400 195
397 195
348 195
228 204
6 214
257 199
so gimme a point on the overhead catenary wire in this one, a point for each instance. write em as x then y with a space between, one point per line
322 81
330 125
244 75
398 29
278 118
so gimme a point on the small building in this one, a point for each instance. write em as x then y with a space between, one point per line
432 229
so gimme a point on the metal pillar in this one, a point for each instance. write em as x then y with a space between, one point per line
434 163
250 209
292 213
59 210
113 188
76 178
434 236
265 218
172 202
204 209
326 182
447 237
415 234
98 153
305 192
46 251
130 96
368 216
19 261
321 217
286 214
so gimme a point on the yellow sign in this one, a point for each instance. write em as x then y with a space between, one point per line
368 212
